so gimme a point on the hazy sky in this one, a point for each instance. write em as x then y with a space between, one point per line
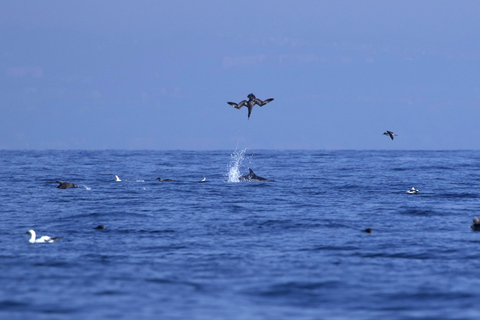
158 74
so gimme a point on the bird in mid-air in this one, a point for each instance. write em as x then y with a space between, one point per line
252 100
390 133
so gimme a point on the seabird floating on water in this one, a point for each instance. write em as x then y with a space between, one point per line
66 185
476 224
44 239
390 133
413 191
252 100
164 180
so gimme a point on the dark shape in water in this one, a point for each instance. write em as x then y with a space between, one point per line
100 227
253 177
164 180
66 185
476 224
390 133
252 100
368 230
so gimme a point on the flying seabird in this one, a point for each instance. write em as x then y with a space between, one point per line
117 178
44 239
66 185
390 133
252 100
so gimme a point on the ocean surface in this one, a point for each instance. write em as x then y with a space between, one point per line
223 249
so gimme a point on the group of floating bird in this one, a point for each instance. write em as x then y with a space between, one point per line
251 176
46 239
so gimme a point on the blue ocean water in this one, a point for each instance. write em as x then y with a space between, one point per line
289 249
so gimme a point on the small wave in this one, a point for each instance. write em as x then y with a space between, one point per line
334 248
109 293
459 195
193 285
11 304
420 212
297 289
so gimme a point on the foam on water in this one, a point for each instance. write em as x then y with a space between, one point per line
236 159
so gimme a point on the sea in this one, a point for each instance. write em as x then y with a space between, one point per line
294 248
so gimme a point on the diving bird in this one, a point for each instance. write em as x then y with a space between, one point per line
66 185
390 133
252 100
44 239
251 176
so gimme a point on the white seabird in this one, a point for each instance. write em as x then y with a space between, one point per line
413 191
44 239
117 178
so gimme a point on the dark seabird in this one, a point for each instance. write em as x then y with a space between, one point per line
368 230
44 239
164 180
100 227
252 100
390 133
253 177
476 224
66 185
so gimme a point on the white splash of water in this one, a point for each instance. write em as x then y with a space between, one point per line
236 159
